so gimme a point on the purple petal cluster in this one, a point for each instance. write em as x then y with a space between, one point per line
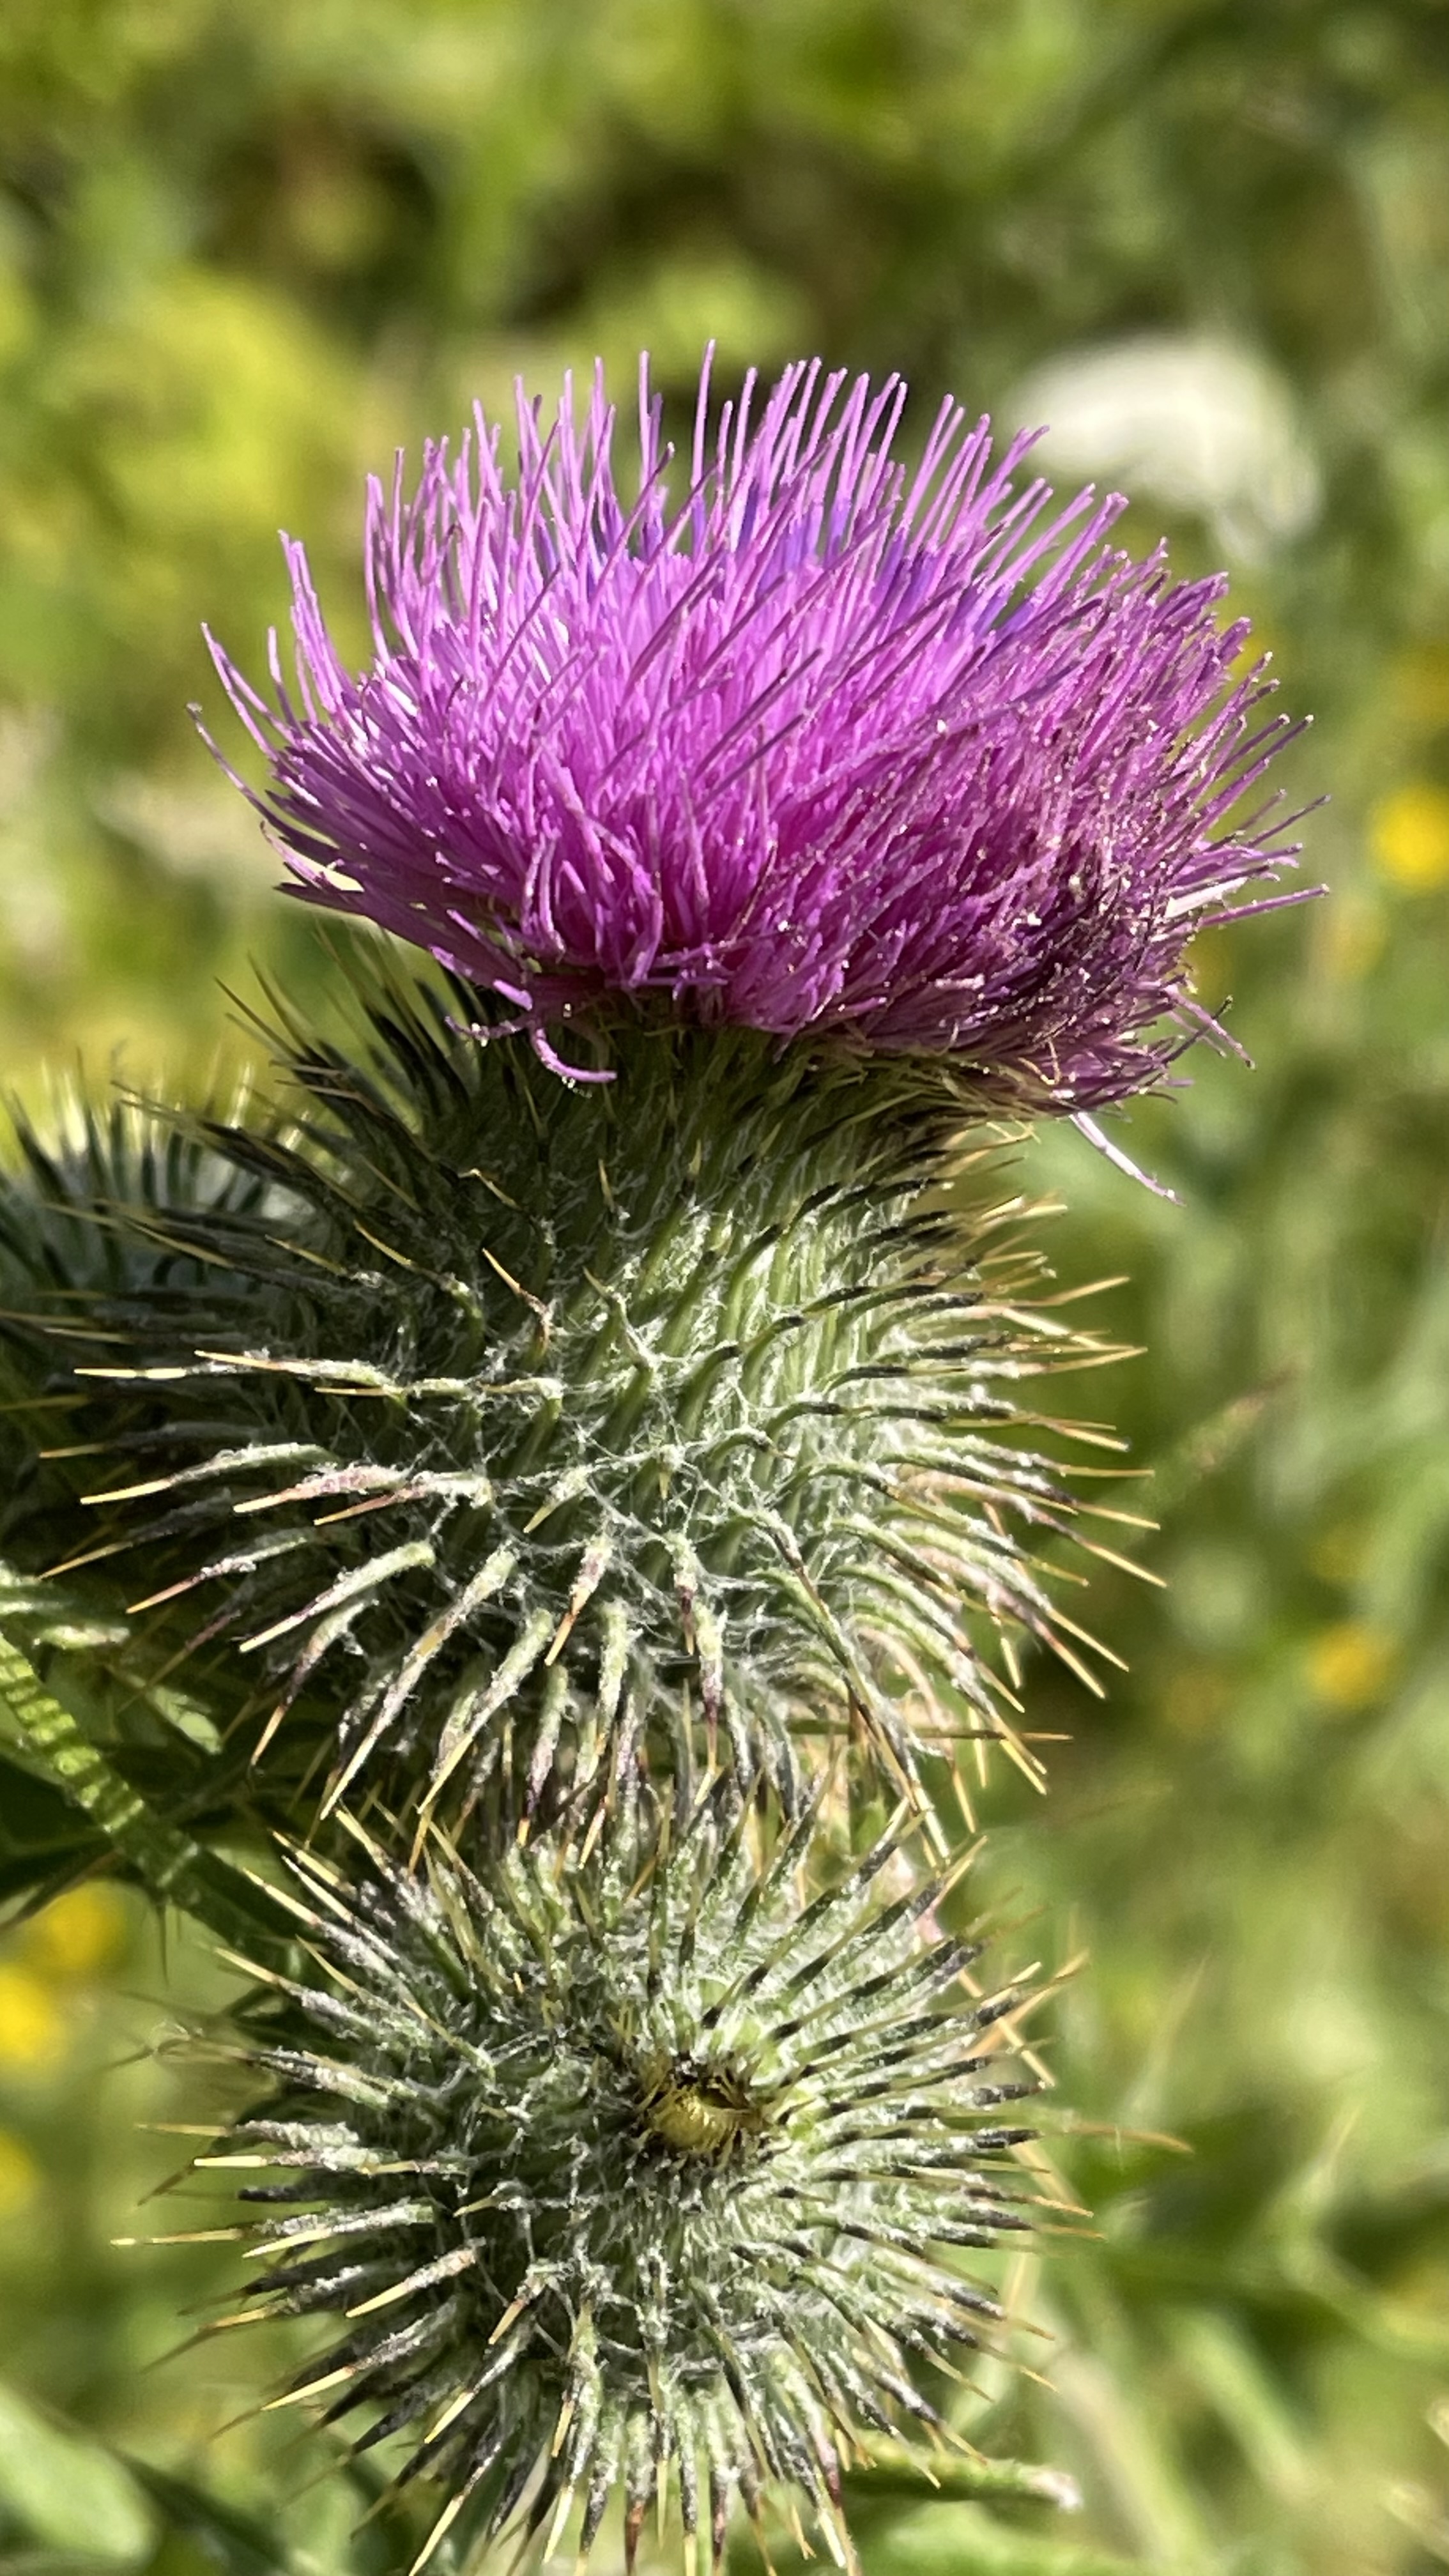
825 745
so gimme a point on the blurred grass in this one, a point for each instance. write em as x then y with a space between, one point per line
242 254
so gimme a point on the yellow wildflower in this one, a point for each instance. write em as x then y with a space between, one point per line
32 2028
1349 1664
1409 836
79 1932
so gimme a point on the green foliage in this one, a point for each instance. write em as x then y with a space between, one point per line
241 253
66 2493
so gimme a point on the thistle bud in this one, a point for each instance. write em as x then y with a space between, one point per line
615 2162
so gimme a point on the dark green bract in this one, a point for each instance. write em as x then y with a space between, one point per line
475 1424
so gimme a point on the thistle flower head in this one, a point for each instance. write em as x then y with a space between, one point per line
822 747
614 2164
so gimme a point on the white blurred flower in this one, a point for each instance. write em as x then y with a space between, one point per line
33 908
190 831
1198 424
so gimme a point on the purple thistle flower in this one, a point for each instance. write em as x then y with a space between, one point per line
824 748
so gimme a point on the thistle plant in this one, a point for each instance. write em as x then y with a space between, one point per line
558 1462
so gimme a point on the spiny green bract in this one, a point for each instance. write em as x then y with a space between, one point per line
475 1415
615 2164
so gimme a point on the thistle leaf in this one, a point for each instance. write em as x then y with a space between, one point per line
173 1868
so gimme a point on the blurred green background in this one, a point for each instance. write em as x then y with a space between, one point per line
245 252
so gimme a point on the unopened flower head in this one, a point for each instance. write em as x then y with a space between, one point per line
823 746
613 2164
